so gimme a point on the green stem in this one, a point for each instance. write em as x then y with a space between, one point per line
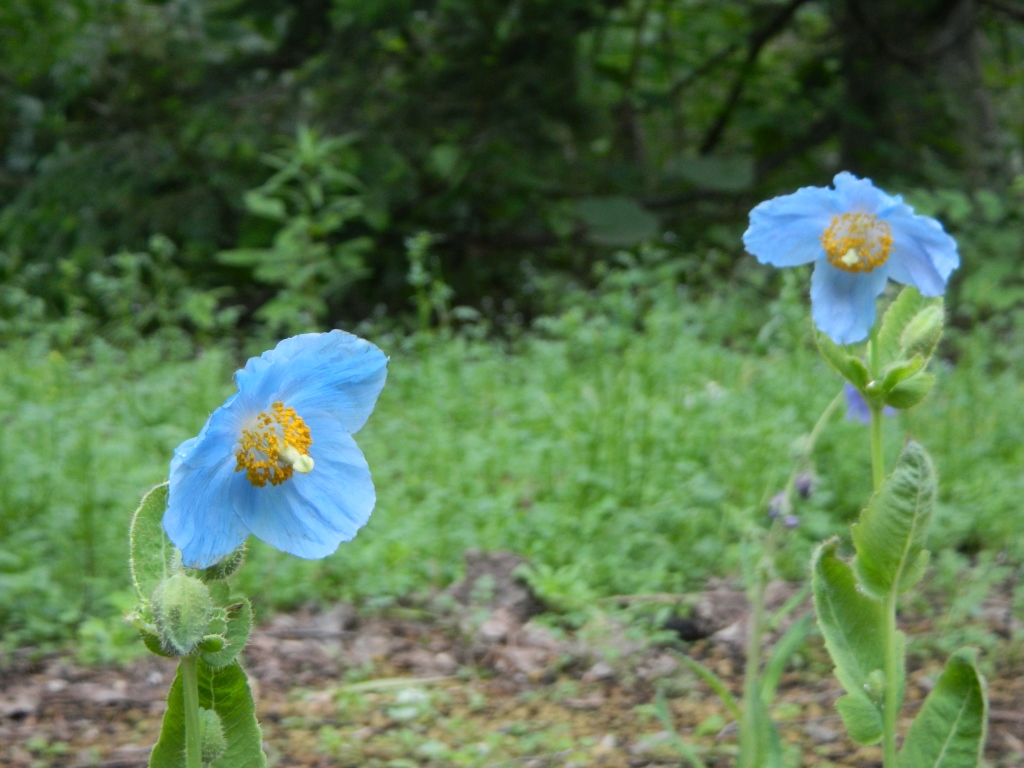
193 737
892 684
877 458
751 676
752 709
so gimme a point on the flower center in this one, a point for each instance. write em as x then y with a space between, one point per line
275 448
857 242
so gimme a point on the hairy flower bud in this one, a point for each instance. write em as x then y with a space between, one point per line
922 333
182 612
214 743
804 484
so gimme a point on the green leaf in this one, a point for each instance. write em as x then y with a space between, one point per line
715 683
949 731
784 648
616 221
890 535
900 370
236 634
684 749
153 557
900 314
221 570
769 745
853 625
910 392
842 362
226 692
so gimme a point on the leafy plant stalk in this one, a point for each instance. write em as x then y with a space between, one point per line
749 725
193 736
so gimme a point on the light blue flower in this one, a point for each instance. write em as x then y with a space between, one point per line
277 459
858 237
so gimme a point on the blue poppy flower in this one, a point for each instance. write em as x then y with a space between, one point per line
858 237
277 459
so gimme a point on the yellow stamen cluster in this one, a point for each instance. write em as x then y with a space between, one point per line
267 451
857 242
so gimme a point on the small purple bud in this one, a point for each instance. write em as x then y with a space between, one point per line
804 484
791 521
778 505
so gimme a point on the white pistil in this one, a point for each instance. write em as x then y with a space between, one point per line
851 258
300 462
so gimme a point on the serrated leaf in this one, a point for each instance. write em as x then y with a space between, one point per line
842 362
236 634
853 625
890 535
153 558
895 321
910 392
226 692
949 731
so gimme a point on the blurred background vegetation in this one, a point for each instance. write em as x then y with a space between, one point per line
535 206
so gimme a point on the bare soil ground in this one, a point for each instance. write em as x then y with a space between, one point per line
473 687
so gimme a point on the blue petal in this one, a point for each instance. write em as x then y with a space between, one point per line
786 231
923 255
310 515
856 406
843 303
200 519
336 372
861 196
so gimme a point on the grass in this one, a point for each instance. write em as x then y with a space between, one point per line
621 457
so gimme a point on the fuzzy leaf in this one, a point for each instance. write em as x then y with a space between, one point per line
899 371
842 362
890 535
226 692
949 732
153 557
910 392
900 314
853 625
236 634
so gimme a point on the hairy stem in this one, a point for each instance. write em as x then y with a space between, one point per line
752 672
892 684
193 737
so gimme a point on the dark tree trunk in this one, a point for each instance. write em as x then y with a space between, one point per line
915 102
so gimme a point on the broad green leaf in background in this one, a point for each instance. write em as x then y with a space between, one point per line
949 731
846 365
226 692
714 172
890 535
853 625
153 557
616 221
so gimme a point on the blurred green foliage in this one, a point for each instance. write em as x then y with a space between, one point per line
622 446
530 135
